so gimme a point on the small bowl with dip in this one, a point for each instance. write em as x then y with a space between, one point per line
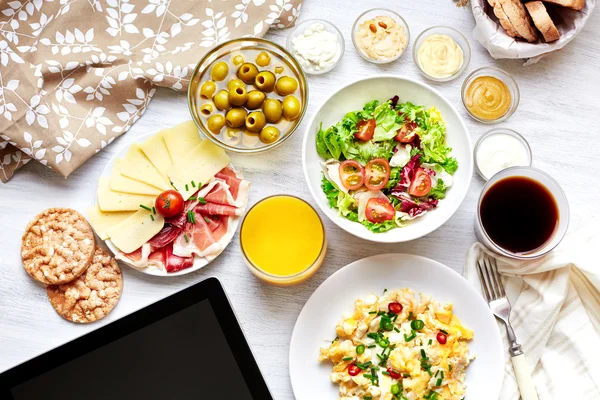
499 149
522 213
318 45
441 53
490 95
380 35
283 240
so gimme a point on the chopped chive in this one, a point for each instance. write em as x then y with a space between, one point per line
449 367
396 330
367 398
191 217
372 346
372 312
201 200
384 290
438 382
145 207
187 188
423 355
154 210
152 217
385 373
193 184
347 358
207 219
430 341
193 198
185 236
408 338
444 332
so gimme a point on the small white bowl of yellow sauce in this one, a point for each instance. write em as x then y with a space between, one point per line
490 95
441 53
283 240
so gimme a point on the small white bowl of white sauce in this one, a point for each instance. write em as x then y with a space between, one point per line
499 149
318 45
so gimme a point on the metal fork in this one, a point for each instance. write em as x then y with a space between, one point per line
500 306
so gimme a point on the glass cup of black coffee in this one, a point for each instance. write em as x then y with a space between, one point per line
522 213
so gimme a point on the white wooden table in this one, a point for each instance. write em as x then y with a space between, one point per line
560 106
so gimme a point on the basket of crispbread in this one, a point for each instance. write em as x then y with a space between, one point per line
528 28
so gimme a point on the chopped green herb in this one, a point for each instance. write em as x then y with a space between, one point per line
193 198
372 346
187 188
201 200
449 367
367 398
207 219
191 217
193 184
430 341
383 343
335 340
185 236
385 373
408 338
396 330
372 312
410 316
347 359
153 210
152 217
145 207
384 290
444 332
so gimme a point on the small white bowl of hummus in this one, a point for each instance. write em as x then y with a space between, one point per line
441 53
380 35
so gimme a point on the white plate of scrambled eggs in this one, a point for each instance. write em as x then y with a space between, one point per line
396 327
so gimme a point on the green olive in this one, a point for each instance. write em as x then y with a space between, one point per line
235 83
272 110
291 107
238 60
247 72
269 134
206 109
265 81
286 85
219 71
263 59
207 90
255 121
221 100
279 69
238 96
255 99
235 117
216 123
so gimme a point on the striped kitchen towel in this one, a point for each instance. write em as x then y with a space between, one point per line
555 314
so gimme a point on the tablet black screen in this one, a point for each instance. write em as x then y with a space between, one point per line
183 356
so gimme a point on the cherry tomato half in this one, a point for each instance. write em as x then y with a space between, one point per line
353 370
379 210
395 308
407 133
366 129
441 337
421 183
169 203
352 174
377 174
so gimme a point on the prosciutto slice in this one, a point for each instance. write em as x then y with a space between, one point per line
167 234
218 209
238 186
196 239
169 261
220 194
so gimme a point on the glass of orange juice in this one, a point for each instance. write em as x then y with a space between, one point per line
283 240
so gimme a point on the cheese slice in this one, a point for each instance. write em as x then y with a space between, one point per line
156 151
109 200
130 234
121 183
103 221
198 166
136 166
180 139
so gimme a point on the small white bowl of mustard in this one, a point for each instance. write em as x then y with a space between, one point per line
441 53
490 95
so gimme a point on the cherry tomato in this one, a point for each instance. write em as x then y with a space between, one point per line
377 174
395 308
169 203
421 183
379 210
407 133
393 374
366 129
352 174
353 370
441 337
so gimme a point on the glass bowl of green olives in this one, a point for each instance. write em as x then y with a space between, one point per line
248 95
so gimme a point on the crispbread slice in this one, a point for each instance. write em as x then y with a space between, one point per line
541 19
515 11
576 5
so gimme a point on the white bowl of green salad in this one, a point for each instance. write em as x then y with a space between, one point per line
387 158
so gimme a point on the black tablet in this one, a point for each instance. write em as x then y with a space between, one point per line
187 346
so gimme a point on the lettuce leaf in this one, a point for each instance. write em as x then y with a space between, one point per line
376 228
395 175
438 192
388 122
331 192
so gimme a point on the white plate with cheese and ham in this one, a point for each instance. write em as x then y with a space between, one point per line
197 174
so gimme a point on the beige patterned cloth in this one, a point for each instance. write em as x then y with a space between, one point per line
75 74
555 314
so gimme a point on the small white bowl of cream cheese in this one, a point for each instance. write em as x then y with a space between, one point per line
441 53
499 149
317 45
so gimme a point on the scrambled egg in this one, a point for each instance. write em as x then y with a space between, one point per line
395 347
